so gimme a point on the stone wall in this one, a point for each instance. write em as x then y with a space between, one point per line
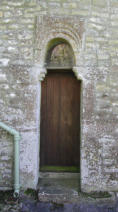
97 64
6 160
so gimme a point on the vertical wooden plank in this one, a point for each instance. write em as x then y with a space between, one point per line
60 120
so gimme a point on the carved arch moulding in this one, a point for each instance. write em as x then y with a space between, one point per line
48 28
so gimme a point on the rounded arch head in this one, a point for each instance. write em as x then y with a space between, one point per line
59 53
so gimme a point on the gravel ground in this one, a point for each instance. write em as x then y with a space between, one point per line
29 206
30 203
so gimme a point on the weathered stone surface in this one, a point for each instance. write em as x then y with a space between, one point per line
6 160
90 27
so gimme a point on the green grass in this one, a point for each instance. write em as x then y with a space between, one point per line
60 168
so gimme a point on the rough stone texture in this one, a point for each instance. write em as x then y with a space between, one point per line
91 28
6 160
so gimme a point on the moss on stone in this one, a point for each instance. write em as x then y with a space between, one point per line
60 168
31 192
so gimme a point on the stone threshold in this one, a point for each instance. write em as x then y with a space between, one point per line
61 175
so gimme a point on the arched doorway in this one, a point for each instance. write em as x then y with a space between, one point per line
60 111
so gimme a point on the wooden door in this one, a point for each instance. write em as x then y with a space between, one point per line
60 122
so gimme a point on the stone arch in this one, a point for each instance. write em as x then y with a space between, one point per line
50 29
47 43
59 54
